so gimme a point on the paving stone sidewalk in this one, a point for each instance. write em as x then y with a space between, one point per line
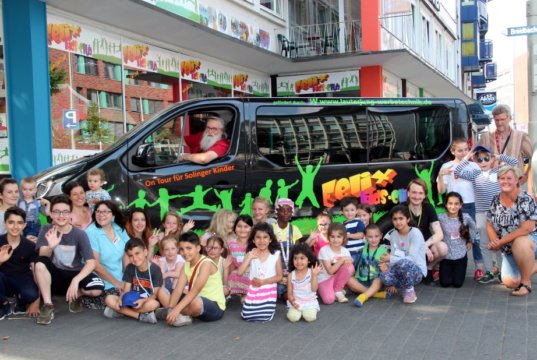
474 322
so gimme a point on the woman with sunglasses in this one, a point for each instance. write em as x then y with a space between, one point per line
484 179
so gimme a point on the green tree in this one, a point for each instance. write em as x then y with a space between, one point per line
96 128
57 77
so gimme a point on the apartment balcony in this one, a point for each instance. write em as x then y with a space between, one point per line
485 51
323 39
491 72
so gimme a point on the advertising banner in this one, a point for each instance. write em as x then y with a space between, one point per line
202 71
67 35
186 8
150 58
251 84
318 83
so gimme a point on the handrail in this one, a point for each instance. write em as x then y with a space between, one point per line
328 38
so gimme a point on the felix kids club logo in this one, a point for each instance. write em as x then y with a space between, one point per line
369 188
64 33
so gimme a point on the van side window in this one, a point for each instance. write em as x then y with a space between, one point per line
309 133
408 133
187 133
352 134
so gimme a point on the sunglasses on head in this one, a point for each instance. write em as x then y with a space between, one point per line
483 159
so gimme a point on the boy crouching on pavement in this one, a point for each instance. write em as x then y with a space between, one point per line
142 280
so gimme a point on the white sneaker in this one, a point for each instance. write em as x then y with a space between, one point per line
409 296
182 320
111 314
148 318
341 298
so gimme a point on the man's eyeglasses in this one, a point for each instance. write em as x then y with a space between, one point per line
212 129
483 159
61 213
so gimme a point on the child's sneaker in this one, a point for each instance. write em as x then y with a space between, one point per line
161 313
19 308
182 320
75 306
111 314
436 276
5 310
409 296
382 295
487 278
495 271
360 300
148 317
478 274
341 298
46 314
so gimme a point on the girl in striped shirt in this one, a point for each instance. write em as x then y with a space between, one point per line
265 267
484 179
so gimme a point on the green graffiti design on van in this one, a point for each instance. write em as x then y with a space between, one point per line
246 204
266 191
163 201
283 190
225 197
198 202
426 175
308 178
140 201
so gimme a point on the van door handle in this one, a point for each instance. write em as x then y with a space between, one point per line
223 187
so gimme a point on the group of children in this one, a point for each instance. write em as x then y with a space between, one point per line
173 274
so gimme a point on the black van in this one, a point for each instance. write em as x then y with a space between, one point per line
314 151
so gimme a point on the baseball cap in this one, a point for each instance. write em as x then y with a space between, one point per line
129 299
482 148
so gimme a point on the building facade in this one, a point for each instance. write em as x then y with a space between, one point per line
115 64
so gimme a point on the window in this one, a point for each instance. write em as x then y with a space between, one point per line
135 104
167 141
274 6
93 95
112 100
131 77
154 106
112 71
86 65
345 135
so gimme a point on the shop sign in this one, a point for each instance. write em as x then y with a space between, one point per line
186 8
206 73
67 35
250 84
150 58
318 83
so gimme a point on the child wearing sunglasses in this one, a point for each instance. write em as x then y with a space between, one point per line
484 179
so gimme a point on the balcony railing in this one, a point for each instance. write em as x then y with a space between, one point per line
323 39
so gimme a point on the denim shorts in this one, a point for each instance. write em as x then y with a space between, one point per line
210 311
509 267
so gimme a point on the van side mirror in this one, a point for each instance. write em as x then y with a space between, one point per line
145 156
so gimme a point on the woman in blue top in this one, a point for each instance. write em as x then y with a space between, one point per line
108 238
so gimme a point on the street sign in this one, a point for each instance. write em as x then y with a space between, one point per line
522 30
70 119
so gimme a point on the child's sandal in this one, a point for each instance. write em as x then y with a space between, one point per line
516 292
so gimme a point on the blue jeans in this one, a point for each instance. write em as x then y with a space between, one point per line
32 228
476 250
22 285
509 267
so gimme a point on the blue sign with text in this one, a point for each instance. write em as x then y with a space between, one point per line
70 119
